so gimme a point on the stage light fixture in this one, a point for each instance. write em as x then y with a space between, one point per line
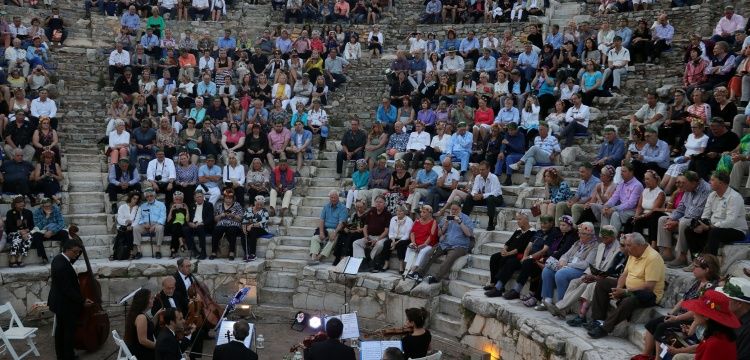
315 322
300 321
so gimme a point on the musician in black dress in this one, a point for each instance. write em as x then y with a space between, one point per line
139 328
65 298
416 344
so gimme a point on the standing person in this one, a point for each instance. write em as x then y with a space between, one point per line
65 298
486 191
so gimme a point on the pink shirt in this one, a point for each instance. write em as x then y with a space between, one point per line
277 140
729 26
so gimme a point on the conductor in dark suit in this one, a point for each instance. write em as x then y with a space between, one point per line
236 349
331 348
200 223
65 298
167 345
165 299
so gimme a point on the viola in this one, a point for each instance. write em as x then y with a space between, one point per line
92 329
389 332
309 341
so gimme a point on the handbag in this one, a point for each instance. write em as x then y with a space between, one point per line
536 210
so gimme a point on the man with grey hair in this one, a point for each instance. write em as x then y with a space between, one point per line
15 174
640 285
604 265
332 219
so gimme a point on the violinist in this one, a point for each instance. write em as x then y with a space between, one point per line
416 344
65 298
139 329
166 299
236 349
168 345
332 348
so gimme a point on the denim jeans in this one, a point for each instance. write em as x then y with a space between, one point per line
559 279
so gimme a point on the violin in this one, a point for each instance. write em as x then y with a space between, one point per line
389 332
309 341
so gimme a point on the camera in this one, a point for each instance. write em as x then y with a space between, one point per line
157 177
450 217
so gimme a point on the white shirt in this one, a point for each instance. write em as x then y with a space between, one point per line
43 108
455 64
17 30
12 55
400 229
379 36
418 141
168 4
204 63
488 187
164 169
453 176
566 92
201 4
185 280
122 58
726 212
125 214
117 139
581 115
317 118
442 144
198 216
490 43
620 58
237 172
417 44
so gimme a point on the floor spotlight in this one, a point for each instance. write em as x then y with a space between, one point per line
315 322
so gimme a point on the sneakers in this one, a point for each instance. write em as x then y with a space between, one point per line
541 307
493 293
515 166
432 280
577 321
511 295
554 310
415 276
597 332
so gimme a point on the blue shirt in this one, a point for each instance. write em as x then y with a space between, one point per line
658 154
586 189
461 144
214 171
468 45
556 40
531 59
225 43
590 79
449 43
454 237
615 152
147 41
361 179
487 64
626 34
203 87
263 113
506 116
417 64
388 117
130 21
424 177
333 216
155 211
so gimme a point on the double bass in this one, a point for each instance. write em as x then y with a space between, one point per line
92 329
202 308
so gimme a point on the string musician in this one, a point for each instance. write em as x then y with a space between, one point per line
236 349
332 348
185 284
166 298
171 344
139 328
416 344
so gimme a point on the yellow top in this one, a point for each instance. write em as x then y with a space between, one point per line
648 267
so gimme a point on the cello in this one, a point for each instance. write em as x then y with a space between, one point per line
92 329
203 306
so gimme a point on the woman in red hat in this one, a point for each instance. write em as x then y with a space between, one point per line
712 312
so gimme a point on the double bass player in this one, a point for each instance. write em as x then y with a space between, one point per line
65 298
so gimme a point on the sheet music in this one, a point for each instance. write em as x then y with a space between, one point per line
373 350
227 326
341 266
351 325
352 266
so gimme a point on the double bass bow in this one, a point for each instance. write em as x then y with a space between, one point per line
92 329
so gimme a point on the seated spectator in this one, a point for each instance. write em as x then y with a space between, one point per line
506 262
233 176
176 219
549 242
227 217
125 221
375 233
447 182
399 235
570 266
131 21
352 146
591 83
455 232
360 181
706 275
254 225
150 219
199 10
612 150
720 140
334 69
558 191
161 174
618 58
15 174
19 136
376 143
543 152
621 205
418 142
508 114
379 179
432 13
142 141
691 207
721 68
583 194
728 25
257 179
609 259
19 222
721 106
487 191
332 220
123 179
694 145
200 223
43 106
300 145
577 119
397 142
186 176
119 142
233 141
649 208
209 178
460 147
282 184
341 11
49 225
652 114
643 277
421 185
722 221
278 140
16 58
654 156
352 231
511 150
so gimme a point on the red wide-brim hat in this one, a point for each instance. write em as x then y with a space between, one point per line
715 306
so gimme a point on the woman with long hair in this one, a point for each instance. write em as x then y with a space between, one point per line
47 176
558 190
166 138
376 141
646 212
191 139
673 130
186 176
139 328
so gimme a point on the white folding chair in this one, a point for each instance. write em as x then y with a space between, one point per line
124 353
435 356
16 331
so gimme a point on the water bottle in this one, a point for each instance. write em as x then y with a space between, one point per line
260 341
324 131
297 356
